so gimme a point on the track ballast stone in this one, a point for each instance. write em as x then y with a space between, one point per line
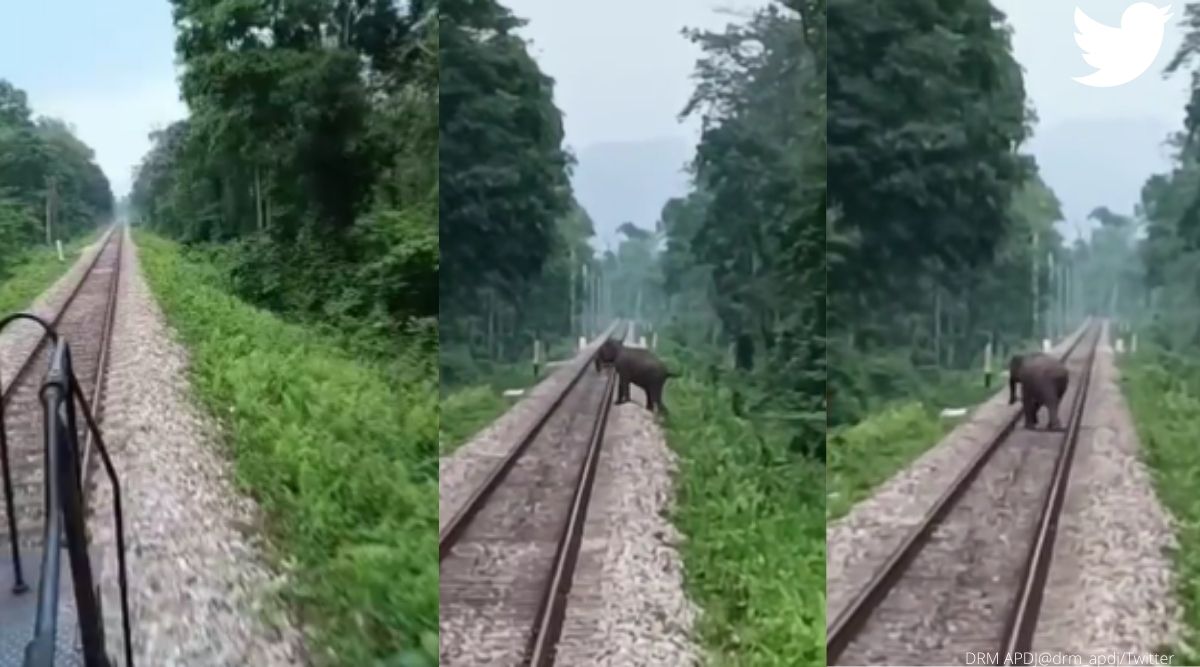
1110 590
627 604
200 591
463 470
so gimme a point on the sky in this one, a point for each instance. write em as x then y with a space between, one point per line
622 69
1096 146
106 68
622 74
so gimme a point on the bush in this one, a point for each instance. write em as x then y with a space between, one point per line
753 513
34 271
339 452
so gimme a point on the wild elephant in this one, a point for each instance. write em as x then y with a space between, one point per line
637 366
1043 381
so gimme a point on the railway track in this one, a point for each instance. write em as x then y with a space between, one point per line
967 580
508 556
85 321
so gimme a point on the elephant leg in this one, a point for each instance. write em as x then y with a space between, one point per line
1052 408
653 397
622 391
662 407
1030 407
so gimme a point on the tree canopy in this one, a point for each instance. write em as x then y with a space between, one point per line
942 234
310 148
39 159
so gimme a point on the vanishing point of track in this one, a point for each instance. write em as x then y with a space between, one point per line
508 556
85 321
979 558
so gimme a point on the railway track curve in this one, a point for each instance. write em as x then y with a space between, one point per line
967 579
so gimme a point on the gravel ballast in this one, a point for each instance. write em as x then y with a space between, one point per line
464 469
1110 587
199 587
627 605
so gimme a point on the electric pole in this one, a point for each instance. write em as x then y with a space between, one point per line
1034 280
51 208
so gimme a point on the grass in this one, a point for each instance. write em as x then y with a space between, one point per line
341 455
470 406
862 456
465 412
1163 391
36 272
753 513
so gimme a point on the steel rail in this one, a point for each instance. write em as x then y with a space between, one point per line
454 529
26 365
846 624
6 397
548 627
96 405
1023 622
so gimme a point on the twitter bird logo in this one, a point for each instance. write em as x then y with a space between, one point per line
1120 55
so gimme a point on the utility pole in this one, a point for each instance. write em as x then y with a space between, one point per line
51 208
1051 276
571 317
1034 280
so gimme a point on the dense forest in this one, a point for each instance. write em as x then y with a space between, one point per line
743 266
1161 290
307 163
44 169
513 241
941 235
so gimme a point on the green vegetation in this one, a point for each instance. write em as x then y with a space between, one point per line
512 239
465 412
339 452
310 154
738 296
753 514
304 181
1163 390
987 263
36 271
42 161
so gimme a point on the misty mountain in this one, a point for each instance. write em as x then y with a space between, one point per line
629 181
1100 162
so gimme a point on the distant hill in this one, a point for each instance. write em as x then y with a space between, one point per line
1100 162
630 181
